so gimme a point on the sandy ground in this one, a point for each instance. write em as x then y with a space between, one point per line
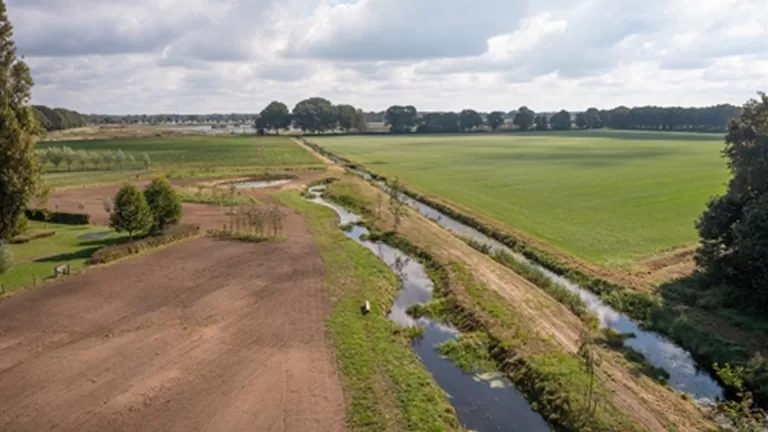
207 335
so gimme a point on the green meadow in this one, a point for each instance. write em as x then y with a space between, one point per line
605 196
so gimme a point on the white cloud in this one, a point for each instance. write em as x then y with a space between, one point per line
238 55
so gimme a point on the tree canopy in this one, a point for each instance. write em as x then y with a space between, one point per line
469 119
561 120
19 167
541 122
275 116
734 227
524 118
315 115
495 120
131 212
164 203
401 118
347 115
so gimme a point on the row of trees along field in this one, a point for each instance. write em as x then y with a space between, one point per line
402 119
52 119
311 115
65 156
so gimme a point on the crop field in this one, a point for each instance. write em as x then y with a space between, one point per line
606 196
180 156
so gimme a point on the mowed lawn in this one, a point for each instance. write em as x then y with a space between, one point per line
183 155
605 196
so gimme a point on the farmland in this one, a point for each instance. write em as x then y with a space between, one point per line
180 156
607 197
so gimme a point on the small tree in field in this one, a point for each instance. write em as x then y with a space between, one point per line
396 202
588 355
164 203
131 213
145 159
107 203
120 158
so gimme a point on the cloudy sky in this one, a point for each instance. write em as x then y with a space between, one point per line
194 56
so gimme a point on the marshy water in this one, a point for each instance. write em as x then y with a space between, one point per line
485 402
684 375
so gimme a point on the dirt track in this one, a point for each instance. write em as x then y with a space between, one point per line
207 335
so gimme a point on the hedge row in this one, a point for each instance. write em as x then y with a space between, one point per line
58 217
28 237
115 252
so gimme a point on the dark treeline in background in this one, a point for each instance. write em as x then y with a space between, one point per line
319 115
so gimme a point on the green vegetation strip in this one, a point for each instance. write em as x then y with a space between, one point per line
385 384
118 251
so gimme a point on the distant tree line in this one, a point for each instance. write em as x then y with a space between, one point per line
52 119
402 119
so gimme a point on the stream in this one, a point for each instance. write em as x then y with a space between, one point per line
485 402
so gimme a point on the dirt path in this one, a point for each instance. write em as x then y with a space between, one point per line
207 335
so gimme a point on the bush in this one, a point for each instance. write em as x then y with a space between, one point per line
115 252
26 238
58 217
131 213
6 258
21 225
164 203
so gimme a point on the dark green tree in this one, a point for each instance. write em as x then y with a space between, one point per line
360 123
164 203
469 119
734 227
561 120
131 212
581 121
592 117
19 165
524 118
315 115
275 116
347 115
542 123
401 118
495 120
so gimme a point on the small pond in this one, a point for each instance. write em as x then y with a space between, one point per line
260 184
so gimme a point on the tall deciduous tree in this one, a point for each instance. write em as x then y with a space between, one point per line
469 119
561 120
347 115
131 212
401 118
164 203
275 116
541 122
495 120
734 228
19 166
315 115
524 118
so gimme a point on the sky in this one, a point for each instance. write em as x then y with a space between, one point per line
205 56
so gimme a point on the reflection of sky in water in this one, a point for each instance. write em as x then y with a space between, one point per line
660 352
482 402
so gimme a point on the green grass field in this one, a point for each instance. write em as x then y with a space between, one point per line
605 196
183 156
34 261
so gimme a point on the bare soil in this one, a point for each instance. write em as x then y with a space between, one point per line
207 335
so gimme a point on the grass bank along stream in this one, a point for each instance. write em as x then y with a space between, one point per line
551 378
644 309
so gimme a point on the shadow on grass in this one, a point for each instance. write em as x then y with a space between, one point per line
89 247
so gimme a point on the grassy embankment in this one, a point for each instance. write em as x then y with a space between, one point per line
547 374
386 386
183 157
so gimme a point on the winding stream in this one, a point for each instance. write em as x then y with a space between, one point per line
486 402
